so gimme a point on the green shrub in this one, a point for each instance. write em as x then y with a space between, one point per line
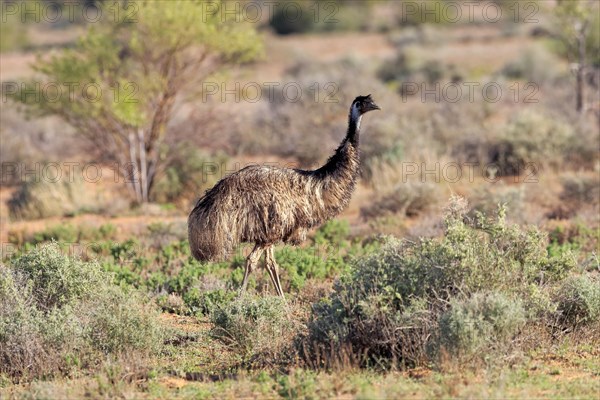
259 329
486 198
59 315
333 232
67 233
123 322
301 264
482 321
14 34
204 302
579 300
387 308
172 303
298 384
411 66
54 280
164 234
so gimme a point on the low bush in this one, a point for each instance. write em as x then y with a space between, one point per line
68 233
204 302
579 300
334 232
486 198
407 200
388 308
483 321
259 329
59 315
37 199
532 138
580 190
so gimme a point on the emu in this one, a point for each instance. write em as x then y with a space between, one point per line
266 205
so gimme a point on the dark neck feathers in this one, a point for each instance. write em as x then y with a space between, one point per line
353 133
344 163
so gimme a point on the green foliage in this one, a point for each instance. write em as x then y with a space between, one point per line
327 256
334 232
482 321
13 32
123 321
207 301
302 264
68 233
259 329
571 17
388 306
298 384
579 300
130 72
59 315
54 280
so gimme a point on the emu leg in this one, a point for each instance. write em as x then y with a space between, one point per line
251 262
273 269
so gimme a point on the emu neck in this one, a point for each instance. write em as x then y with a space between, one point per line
344 163
353 133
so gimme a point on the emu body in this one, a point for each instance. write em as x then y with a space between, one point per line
266 205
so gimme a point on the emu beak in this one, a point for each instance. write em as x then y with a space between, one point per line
374 106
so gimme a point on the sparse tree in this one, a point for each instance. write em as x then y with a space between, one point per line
576 22
119 84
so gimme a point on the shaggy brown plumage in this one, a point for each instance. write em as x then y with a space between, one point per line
266 205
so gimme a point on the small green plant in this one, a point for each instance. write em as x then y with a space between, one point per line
333 232
258 328
54 280
208 301
59 315
579 300
485 320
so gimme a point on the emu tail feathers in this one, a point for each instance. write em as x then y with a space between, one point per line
210 236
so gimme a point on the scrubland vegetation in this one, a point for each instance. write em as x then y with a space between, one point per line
466 265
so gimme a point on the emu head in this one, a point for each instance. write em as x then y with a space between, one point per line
363 104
